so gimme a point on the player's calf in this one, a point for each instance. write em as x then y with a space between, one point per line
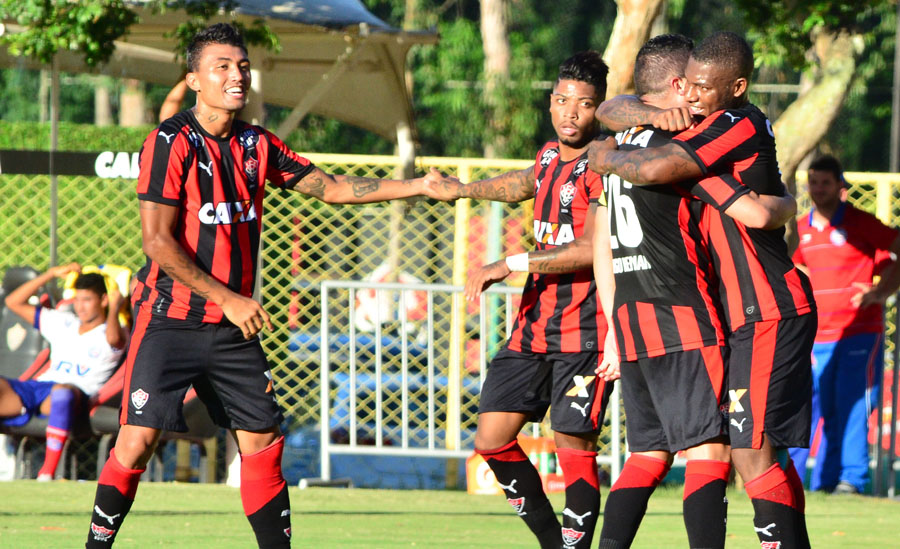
522 485
705 505
116 489
265 497
582 496
626 503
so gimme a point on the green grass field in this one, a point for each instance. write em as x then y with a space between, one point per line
53 515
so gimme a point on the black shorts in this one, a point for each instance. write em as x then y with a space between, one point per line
673 402
530 383
770 382
230 374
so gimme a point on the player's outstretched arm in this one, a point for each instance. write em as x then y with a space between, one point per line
654 166
570 257
606 291
513 186
351 189
17 300
158 222
626 111
764 211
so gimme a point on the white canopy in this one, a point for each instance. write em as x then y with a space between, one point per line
337 60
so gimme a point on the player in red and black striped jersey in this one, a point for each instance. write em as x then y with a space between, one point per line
555 344
203 176
768 302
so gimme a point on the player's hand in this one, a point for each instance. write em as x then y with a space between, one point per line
867 295
674 120
609 370
597 153
60 271
246 314
441 187
482 278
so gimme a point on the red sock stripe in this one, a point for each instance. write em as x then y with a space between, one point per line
700 472
261 478
641 472
578 464
796 484
122 478
509 452
772 485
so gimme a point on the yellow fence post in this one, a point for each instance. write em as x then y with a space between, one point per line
458 322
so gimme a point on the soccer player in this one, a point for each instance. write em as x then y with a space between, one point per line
85 348
201 186
555 344
666 321
768 303
842 248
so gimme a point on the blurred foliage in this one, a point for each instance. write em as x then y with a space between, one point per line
447 77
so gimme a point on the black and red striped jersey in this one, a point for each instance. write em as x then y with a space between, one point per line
664 301
560 312
218 185
757 279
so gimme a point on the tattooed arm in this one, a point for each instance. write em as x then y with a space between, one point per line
350 189
667 164
626 111
567 258
508 187
158 222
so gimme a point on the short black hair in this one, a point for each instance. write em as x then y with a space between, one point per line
220 33
91 281
831 164
659 59
727 50
586 66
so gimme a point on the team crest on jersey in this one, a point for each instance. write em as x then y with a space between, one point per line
838 237
195 139
580 167
567 193
251 166
249 138
139 398
101 533
571 536
548 156
517 505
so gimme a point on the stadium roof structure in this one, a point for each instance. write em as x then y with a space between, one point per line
337 60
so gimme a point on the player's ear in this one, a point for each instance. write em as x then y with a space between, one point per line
739 87
193 83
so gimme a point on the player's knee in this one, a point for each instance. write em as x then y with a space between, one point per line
62 395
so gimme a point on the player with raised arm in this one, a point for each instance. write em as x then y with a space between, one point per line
767 303
201 187
86 346
554 348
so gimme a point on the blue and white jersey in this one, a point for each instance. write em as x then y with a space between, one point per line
84 360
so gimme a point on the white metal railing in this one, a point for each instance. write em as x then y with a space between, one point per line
448 443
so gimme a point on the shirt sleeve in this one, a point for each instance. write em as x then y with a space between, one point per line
597 186
284 167
719 190
163 165
879 235
722 138
50 321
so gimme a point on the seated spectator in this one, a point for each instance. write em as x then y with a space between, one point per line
85 348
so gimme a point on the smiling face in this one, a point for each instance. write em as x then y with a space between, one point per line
572 107
710 88
221 78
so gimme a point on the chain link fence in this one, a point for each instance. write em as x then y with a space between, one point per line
306 242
